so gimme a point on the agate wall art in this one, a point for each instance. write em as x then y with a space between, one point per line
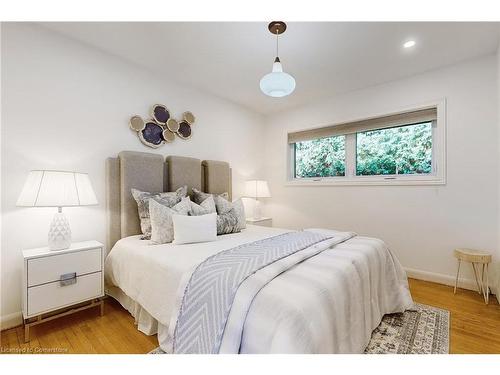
162 127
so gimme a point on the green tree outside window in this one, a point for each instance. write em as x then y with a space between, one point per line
401 150
324 157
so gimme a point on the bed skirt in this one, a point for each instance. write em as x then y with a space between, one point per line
143 319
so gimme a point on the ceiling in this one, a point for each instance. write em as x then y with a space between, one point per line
228 59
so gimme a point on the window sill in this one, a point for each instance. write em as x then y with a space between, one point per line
362 181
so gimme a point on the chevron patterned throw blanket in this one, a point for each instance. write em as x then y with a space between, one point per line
210 292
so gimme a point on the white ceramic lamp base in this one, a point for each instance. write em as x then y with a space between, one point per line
59 232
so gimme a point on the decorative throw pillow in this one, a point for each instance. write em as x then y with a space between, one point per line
142 198
228 211
239 209
162 228
222 205
199 196
206 207
193 229
228 222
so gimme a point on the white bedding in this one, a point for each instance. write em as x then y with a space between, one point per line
329 303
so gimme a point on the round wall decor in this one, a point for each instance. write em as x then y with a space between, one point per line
162 127
168 135
184 130
136 123
189 117
152 134
172 125
160 114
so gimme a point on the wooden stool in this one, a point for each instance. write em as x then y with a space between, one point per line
476 259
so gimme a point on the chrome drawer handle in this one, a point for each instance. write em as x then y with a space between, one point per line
68 279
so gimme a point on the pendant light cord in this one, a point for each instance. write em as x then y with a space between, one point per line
277 48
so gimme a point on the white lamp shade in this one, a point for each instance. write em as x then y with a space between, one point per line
277 83
257 189
57 189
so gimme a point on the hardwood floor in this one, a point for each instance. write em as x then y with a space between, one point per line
475 327
83 332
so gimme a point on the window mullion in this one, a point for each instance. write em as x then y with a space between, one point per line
350 155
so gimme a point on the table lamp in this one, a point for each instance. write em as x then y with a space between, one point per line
257 189
47 188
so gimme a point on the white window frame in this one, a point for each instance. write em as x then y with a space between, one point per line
436 177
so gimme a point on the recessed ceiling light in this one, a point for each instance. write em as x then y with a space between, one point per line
409 44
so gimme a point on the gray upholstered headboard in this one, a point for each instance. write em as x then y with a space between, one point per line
152 172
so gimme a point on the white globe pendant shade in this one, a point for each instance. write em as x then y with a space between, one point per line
277 83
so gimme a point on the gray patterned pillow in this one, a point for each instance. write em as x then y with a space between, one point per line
227 223
240 213
222 204
142 198
162 227
206 207
233 220
199 196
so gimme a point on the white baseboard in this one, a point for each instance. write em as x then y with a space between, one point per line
441 278
11 320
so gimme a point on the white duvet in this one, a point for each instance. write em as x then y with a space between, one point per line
329 303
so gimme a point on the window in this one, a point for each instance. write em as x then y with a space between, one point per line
323 157
402 148
395 151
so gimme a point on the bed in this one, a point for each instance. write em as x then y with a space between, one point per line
326 297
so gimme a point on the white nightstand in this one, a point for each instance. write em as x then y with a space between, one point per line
263 221
58 279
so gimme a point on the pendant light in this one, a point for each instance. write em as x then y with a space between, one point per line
277 83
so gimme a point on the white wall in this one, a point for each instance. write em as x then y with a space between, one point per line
66 106
421 224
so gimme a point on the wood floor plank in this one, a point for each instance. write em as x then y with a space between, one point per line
77 346
115 342
34 343
3 340
47 336
10 343
84 342
95 328
474 326
64 343
23 346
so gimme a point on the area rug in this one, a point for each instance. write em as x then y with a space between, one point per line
424 330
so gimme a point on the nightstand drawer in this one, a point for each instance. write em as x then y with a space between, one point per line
50 268
51 296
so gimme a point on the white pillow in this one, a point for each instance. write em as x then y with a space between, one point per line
193 229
